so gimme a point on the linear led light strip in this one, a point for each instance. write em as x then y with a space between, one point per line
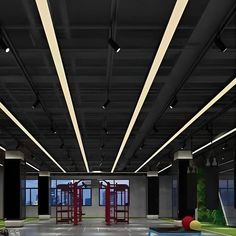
13 118
166 39
214 141
193 119
28 164
2 148
53 45
225 163
167 167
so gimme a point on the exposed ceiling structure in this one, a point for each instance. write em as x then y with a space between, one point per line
194 69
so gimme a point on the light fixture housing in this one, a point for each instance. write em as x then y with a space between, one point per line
219 43
104 106
114 45
106 131
36 103
173 103
4 46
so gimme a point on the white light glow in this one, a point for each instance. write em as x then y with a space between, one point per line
166 39
46 19
28 164
13 118
214 141
2 148
192 120
164 168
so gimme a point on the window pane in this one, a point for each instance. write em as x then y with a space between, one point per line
53 197
31 183
223 183
64 181
87 198
27 197
34 197
120 181
230 183
53 183
102 197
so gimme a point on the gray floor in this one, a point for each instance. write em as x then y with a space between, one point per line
137 227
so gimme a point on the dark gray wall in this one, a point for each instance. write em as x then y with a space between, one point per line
165 197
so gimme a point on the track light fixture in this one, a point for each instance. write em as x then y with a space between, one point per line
173 103
104 106
4 46
219 43
106 131
114 45
102 146
53 130
36 103
141 147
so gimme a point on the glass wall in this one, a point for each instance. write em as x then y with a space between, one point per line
226 188
87 191
31 193
102 192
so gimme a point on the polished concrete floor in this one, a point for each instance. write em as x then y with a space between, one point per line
137 227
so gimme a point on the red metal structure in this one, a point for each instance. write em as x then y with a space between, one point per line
117 203
69 199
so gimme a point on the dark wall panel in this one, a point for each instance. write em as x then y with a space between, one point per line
153 196
212 187
43 195
14 183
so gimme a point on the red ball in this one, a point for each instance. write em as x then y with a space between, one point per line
186 222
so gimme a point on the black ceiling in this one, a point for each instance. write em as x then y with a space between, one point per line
193 71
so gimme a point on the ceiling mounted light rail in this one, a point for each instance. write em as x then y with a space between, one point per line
165 42
46 19
13 118
193 119
214 141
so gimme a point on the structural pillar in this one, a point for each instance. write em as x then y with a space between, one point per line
44 195
187 190
153 197
14 189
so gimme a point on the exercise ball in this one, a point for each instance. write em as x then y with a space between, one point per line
186 222
195 225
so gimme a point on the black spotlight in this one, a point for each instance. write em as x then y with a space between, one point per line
53 130
4 46
106 131
173 103
141 147
102 146
219 43
114 45
36 103
104 106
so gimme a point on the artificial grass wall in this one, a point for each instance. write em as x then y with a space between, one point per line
215 216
